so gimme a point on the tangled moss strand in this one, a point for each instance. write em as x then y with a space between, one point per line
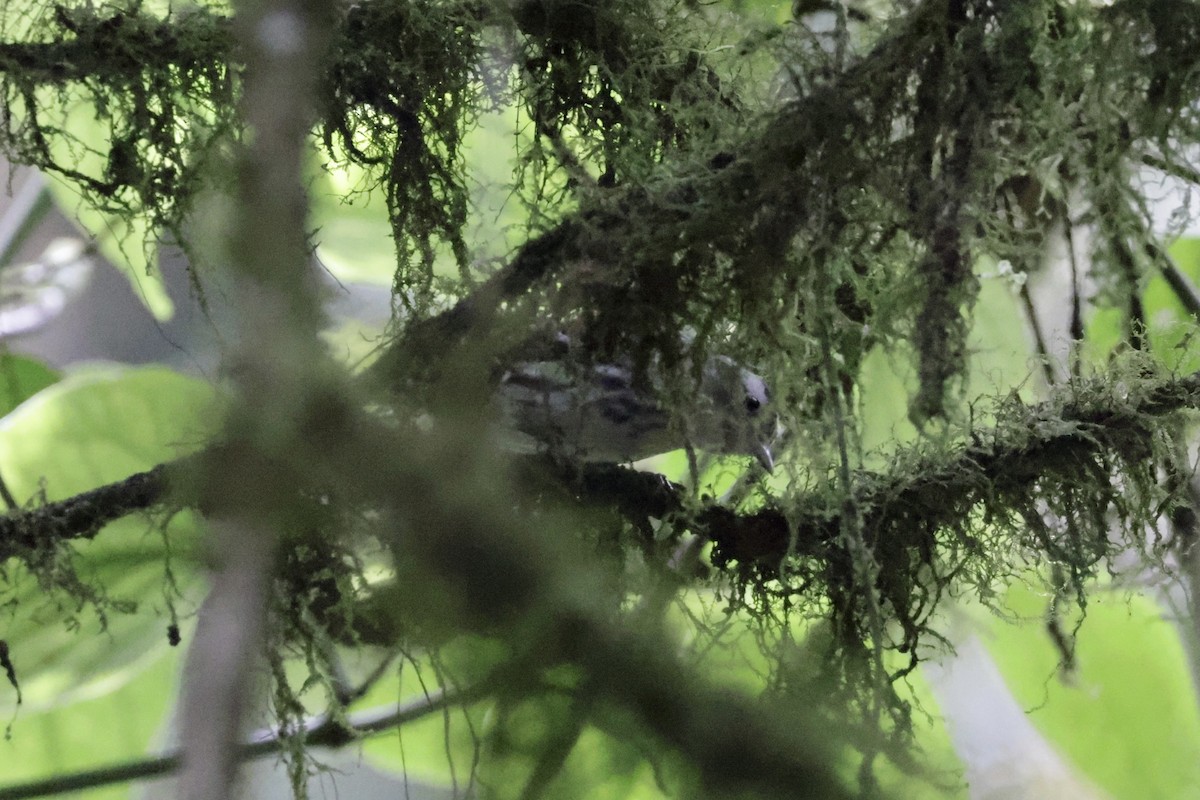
682 206
404 86
160 95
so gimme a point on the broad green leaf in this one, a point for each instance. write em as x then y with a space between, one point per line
101 424
88 430
118 727
20 379
1128 719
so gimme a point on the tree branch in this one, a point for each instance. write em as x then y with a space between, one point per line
126 43
83 515
1056 439
1185 291
759 538
321 731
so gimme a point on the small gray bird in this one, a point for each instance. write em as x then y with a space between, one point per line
595 413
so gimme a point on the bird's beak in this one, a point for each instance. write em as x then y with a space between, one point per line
763 454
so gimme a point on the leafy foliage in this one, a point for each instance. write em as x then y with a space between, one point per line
679 203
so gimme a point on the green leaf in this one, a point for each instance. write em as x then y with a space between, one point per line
88 430
115 728
1128 719
102 424
20 379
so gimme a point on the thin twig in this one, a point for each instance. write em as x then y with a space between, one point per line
320 732
6 494
1181 171
1039 339
1076 297
83 515
1185 291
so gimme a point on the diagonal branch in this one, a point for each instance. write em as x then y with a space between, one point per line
83 515
1056 437
321 731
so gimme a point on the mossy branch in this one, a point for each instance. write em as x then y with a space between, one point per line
1064 439
85 514
687 226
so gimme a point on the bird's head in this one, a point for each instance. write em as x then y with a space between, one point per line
737 416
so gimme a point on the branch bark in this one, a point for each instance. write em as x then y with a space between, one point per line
247 486
759 538
319 732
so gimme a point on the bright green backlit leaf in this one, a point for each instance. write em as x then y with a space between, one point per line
20 379
118 727
100 425
1128 719
88 430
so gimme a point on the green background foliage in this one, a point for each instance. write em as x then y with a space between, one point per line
857 230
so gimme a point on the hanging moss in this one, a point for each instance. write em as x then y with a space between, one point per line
683 209
130 108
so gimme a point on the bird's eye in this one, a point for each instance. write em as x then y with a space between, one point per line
752 403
